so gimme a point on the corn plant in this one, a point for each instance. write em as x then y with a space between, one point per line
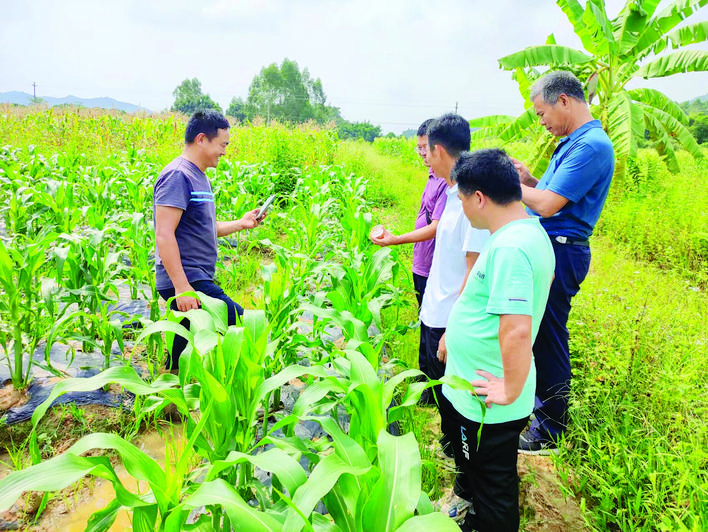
22 311
229 387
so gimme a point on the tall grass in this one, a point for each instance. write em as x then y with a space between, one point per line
638 435
661 217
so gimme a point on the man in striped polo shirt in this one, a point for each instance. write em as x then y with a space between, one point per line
185 222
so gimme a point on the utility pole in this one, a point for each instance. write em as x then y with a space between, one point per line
34 88
455 107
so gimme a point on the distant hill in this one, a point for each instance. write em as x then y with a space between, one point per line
22 98
696 105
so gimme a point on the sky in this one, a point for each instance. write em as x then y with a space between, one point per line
391 62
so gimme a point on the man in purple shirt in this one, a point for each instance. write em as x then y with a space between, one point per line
432 205
185 222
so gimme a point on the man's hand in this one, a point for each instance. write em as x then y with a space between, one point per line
185 303
525 177
442 350
492 388
251 220
385 239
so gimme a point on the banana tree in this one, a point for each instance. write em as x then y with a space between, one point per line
616 51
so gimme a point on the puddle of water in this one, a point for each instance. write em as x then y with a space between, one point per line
72 514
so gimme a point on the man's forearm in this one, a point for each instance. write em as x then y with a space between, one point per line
172 261
419 235
515 343
545 203
227 228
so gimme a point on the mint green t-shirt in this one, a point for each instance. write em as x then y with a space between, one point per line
512 275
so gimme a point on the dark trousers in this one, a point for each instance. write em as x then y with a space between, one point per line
550 349
486 475
432 367
428 352
206 287
419 283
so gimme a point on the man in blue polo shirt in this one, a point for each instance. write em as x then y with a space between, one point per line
569 199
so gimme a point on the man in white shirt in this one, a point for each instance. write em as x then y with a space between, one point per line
457 246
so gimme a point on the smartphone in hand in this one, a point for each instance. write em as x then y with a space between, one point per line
266 206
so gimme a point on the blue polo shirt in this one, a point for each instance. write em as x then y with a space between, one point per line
181 184
581 171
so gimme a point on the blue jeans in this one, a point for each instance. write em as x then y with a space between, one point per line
550 349
206 287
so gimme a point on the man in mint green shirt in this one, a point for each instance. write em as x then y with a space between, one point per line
490 332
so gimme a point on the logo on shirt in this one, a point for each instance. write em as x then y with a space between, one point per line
480 275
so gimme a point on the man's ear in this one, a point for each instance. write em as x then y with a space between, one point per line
200 138
482 199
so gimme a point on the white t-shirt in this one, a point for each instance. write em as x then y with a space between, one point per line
453 239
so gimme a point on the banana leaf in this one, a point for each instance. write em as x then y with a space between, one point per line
544 55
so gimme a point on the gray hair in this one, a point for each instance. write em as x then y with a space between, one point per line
552 85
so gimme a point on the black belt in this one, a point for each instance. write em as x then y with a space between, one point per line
568 241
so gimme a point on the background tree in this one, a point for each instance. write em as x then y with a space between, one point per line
616 51
286 94
358 130
699 127
237 109
189 98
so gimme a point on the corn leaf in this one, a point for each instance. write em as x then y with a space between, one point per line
426 523
396 493
123 375
65 469
220 493
323 477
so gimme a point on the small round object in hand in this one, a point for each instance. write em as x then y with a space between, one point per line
377 231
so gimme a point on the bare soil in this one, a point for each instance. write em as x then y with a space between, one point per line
543 503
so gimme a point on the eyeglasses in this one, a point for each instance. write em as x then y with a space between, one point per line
421 149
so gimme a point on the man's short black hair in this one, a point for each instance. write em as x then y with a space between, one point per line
423 128
208 122
490 171
452 132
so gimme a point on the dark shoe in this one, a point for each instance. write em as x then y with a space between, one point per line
529 444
